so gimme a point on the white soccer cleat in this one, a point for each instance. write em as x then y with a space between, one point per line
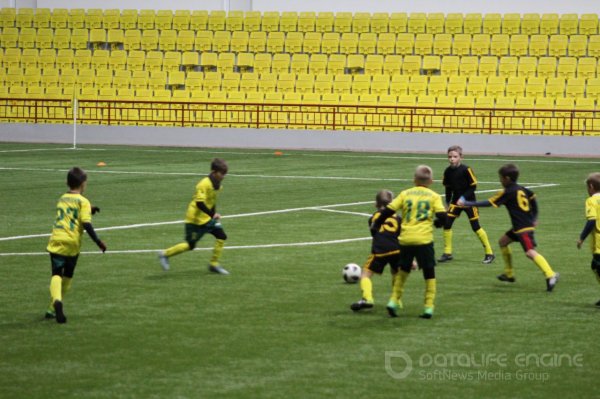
164 261
217 269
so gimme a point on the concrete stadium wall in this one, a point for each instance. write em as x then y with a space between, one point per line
278 139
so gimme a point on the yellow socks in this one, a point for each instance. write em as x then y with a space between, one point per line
217 251
448 241
56 288
484 241
66 285
177 249
366 286
398 286
542 263
507 256
430 290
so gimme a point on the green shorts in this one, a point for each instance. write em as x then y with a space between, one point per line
63 266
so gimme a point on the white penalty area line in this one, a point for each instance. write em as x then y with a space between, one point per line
260 246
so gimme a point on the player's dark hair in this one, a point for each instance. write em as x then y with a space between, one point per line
509 170
219 165
76 177
383 198
593 180
456 148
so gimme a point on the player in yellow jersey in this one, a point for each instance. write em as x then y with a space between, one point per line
592 226
73 215
202 218
417 207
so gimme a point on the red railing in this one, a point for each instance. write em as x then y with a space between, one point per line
306 116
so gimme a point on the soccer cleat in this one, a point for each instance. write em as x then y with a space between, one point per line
217 269
488 259
445 258
362 304
164 261
60 316
49 315
392 308
551 282
427 313
505 278
598 304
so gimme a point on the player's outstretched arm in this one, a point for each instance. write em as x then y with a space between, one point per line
92 233
462 202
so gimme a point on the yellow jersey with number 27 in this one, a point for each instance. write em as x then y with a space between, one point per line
72 211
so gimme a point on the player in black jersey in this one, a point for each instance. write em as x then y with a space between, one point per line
460 181
385 249
523 210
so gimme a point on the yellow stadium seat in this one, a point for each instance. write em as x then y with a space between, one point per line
511 24
380 84
181 20
32 77
373 64
500 44
132 40
149 40
324 83
199 20
508 66
454 23
431 65
555 87
399 85
249 82
82 59
568 24
64 58
115 38
496 86
12 58
221 41
450 65
435 23
488 66
457 86
252 21
392 64
588 24
185 40
355 63
286 82
103 78
476 86
288 21
584 116
437 86
343 22
342 84
379 22
293 42
146 20
442 44
93 18
462 44
305 83
416 22
59 18
163 20
203 41
216 20
549 24
239 41
44 38
575 87
270 21
367 43
76 18
312 42
231 81
527 67
519 45
306 21
577 46
136 60
544 108
349 43
226 62
85 78
128 19
468 66
586 67
546 67
472 23
567 67
480 45
29 57
245 62
27 37
317 63
330 43
299 63
361 23
563 121
405 43
275 42
194 81
24 17
538 46
593 88
411 65
111 19
398 22
417 85
153 61
262 62
336 64
281 63
423 43
100 59
492 24
212 81
515 86
361 84
535 87
257 42
530 25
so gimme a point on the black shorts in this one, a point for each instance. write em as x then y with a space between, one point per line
194 232
63 266
526 239
377 262
596 263
424 254
454 211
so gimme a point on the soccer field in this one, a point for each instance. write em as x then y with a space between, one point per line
280 325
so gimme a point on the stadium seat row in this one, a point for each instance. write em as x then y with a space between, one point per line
310 42
341 22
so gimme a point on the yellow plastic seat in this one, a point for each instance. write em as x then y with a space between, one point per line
231 81
299 63
555 87
405 43
546 67
398 22
199 20
442 44
567 67
163 20
244 62
462 44
221 41
488 66
468 66
216 20
411 65
185 40
306 21
527 66
149 40
476 86
281 63
435 23
27 38
349 43
423 43
417 22
515 86
454 24
558 45
367 43
480 45
239 41
492 23
181 21
343 22
530 25
323 83
342 84
511 24
457 86
361 23
588 24
136 60
262 62
549 24
450 65
294 42
317 63
24 18
194 81
128 19
336 64
437 85
373 64
568 24
380 84
399 85
519 45
330 42
248 82
380 22
305 83
153 61
473 23
577 46
418 85
538 46
536 87
76 19
508 66
500 44
132 40
586 67
270 21
575 87
312 42
226 62
100 59
111 19
257 43
252 21
203 41
288 21
392 64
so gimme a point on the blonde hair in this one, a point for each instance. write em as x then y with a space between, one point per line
593 180
423 175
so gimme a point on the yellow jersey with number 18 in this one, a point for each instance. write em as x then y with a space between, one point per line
72 211
417 207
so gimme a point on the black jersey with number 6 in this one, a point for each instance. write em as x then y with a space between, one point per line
521 205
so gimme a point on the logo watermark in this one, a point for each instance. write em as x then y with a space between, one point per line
454 366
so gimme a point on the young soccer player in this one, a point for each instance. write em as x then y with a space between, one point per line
202 218
523 210
73 215
460 181
592 226
385 249
417 207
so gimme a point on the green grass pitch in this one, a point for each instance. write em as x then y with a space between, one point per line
280 324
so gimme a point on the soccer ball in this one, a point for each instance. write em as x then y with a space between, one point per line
351 273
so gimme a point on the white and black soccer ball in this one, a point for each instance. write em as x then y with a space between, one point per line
351 273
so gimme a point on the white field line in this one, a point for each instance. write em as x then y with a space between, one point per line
316 208
328 155
140 251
